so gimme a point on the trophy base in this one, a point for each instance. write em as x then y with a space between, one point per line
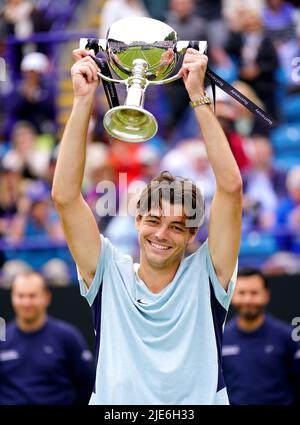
130 124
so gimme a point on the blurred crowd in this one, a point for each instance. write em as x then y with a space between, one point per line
255 48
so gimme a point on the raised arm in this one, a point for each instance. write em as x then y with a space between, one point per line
80 227
224 231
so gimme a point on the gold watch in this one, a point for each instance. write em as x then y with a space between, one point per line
204 100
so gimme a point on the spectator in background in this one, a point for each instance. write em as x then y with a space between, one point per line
26 155
282 263
217 32
279 19
261 362
227 114
157 9
264 185
10 183
246 123
99 168
211 13
35 217
256 57
288 214
123 158
21 18
113 10
148 158
34 234
183 19
43 360
32 99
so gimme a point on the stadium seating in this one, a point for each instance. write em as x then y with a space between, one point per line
256 247
286 139
290 108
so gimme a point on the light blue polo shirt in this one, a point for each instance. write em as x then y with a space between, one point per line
160 348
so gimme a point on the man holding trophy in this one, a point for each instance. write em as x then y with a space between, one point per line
159 323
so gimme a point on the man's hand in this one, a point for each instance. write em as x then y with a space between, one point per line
84 74
193 73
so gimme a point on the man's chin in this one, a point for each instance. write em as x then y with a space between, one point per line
158 263
251 315
28 318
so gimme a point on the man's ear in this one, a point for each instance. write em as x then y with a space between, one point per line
138 219
48 297
268 295
193 232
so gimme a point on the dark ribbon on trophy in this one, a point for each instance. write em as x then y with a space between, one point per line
109 87
216 80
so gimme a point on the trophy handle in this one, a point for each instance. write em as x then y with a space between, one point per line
166 81
97 45
181 48
111 80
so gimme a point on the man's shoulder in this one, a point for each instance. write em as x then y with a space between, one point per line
277 324
60 327
230 327
200 252
8 331
111 251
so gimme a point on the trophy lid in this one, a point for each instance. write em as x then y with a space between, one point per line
142 38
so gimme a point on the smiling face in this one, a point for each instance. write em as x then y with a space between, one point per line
30 299
163 236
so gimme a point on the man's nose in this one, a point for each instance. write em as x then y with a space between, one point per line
161 232
26 302
247 298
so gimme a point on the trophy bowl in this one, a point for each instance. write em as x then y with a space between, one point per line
142 38
141 52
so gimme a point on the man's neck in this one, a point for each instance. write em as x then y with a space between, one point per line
156 279
250 325
34 326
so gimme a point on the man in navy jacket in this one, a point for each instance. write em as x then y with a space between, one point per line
261 359
42 360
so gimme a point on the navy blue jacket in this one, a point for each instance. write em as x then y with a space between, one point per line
49 366
263 366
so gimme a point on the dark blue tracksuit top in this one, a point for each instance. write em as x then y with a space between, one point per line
263 366
49 366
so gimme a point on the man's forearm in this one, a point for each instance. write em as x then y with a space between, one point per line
226 171
71 160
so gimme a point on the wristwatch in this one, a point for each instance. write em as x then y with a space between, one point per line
204 100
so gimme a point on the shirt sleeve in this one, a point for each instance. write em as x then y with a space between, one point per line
105 257
224 297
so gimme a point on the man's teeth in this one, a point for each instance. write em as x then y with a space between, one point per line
159 246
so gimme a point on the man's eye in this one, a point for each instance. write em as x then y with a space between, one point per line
178 229
152 220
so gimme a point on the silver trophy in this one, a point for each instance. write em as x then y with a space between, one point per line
141 52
